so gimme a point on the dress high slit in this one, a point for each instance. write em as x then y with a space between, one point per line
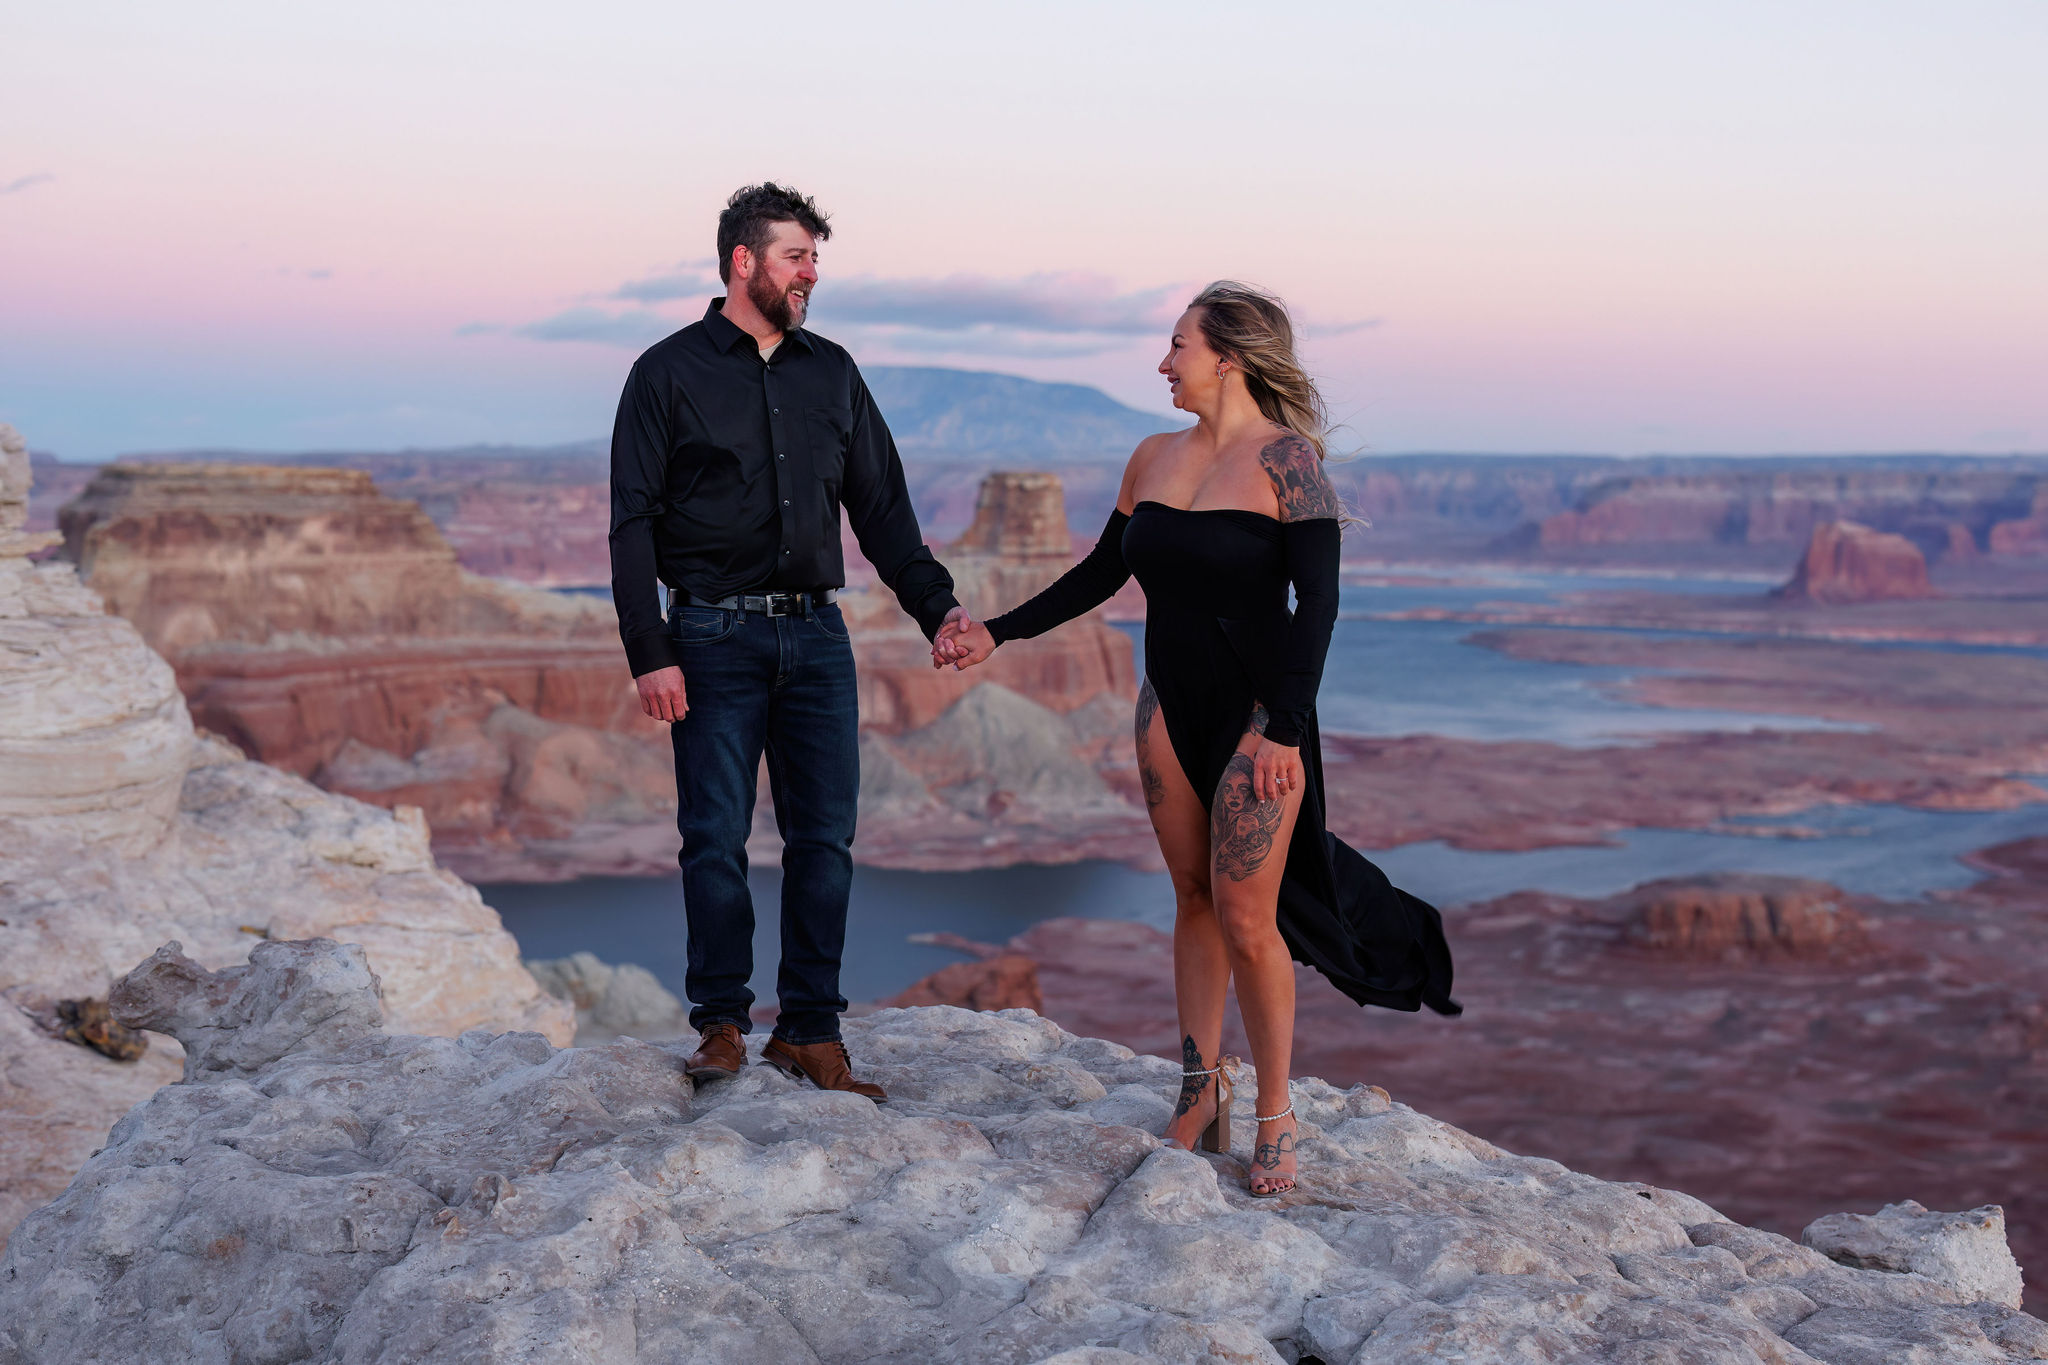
1220 641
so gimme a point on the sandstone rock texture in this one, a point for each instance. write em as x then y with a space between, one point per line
120 828
1848 562
320 1189
327 628
612 1001
1687 510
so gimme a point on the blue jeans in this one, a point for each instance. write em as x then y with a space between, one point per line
783 684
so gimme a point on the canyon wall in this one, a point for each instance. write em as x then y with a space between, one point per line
329 629
1945 508
121 828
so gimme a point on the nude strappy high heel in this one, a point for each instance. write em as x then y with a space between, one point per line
1216 1137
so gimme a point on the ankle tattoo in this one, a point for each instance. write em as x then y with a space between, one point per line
1267 1155
1191 1083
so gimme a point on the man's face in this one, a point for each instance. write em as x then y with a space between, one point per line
779 279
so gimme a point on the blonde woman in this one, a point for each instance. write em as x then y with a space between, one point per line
1217 522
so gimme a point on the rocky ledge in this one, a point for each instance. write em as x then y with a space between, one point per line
320 1189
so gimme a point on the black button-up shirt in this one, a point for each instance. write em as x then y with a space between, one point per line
728 475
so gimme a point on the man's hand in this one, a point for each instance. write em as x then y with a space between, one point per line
962 641
661 693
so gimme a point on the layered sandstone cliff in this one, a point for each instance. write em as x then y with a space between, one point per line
340 1192
328 629
1944 507
121 828
1848 562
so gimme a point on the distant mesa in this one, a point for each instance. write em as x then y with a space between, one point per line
1735 916
966 414
1847 562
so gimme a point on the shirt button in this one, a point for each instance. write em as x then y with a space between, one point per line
785 551
779 455
775 412
785 502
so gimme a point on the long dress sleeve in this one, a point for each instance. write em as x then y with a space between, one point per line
1310 551
1080 589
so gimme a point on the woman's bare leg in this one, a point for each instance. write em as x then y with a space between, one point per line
1249 841
1201 973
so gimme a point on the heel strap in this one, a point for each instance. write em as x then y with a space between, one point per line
1273 1118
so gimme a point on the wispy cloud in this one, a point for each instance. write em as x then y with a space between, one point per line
624 327
984 341
1056 303
1047 315
27 182
688 280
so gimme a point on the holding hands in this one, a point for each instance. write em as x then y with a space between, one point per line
961 642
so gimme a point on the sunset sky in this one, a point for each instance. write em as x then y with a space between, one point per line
1569 226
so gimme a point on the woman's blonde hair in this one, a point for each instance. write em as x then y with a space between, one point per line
1250 328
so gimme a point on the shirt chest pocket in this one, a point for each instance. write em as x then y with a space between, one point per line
830 431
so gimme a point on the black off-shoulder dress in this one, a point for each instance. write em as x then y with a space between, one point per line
1219 639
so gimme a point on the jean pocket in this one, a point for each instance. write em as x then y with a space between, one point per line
830 621
701 625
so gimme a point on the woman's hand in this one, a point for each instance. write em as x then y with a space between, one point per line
1276 771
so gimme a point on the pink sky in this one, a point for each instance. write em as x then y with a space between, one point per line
1576 226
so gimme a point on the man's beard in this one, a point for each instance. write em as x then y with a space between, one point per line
774 304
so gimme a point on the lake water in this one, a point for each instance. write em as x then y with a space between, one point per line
1383 678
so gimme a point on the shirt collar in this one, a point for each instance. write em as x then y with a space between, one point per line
725 335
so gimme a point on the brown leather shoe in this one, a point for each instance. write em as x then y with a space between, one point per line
825 1065
721 1052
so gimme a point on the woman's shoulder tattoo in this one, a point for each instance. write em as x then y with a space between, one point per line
1299 481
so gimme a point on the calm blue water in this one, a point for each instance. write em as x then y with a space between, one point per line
1383 678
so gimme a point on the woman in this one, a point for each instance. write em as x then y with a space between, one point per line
1216 522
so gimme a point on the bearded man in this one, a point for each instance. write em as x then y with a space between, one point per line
739 439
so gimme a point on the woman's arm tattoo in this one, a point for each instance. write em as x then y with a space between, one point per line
1299 481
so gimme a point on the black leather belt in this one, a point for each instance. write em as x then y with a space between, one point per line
761 603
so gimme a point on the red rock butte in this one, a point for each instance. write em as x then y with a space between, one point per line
1846 561
1017 544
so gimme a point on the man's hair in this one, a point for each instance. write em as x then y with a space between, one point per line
751 215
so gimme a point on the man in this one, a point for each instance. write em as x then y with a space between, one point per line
738 441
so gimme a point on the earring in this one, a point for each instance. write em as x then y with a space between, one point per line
1219 370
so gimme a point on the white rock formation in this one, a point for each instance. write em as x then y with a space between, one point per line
1966 1250
612 1001
323 1190
120 829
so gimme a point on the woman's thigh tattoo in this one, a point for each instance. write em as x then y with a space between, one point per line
1148 771
1242 826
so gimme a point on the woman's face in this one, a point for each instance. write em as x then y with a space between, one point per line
1190 364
